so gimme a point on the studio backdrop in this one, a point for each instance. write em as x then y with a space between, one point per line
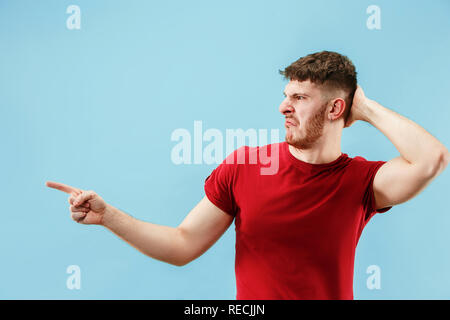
100 95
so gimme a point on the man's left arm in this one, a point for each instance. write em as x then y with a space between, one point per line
422 158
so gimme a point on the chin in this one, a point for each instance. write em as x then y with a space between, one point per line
290 141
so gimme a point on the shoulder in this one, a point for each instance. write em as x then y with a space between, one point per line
252 155
362 169
361 162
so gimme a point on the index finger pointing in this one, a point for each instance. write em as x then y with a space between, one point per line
62 187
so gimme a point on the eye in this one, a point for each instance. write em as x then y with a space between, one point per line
300 97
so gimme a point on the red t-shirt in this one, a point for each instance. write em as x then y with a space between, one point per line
296 230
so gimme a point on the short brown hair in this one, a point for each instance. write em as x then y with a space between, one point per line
328 69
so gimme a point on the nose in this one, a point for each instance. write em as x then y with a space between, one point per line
286 108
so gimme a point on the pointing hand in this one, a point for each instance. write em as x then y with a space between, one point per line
86 207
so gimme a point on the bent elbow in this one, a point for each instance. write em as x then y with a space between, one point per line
444 159
180 263
184 260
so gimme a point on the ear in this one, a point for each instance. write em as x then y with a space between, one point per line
337 109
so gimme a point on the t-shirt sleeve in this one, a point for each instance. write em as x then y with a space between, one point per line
219 186
368 172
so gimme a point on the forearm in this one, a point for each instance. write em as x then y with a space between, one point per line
414 143
156 241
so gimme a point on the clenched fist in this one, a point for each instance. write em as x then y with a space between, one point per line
86 207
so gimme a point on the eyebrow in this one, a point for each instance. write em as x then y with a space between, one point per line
297 94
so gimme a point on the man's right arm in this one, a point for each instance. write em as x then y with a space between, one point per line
200 229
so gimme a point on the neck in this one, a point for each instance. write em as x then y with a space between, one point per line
325 150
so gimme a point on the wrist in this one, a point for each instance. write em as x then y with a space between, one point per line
108 216
368 110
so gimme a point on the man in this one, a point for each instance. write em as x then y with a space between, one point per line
297 229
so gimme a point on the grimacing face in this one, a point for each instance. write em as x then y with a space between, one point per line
304 108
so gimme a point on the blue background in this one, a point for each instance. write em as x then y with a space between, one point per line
95 108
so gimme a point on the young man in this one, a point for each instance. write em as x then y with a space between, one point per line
296 229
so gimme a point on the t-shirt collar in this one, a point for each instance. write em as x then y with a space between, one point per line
303 164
